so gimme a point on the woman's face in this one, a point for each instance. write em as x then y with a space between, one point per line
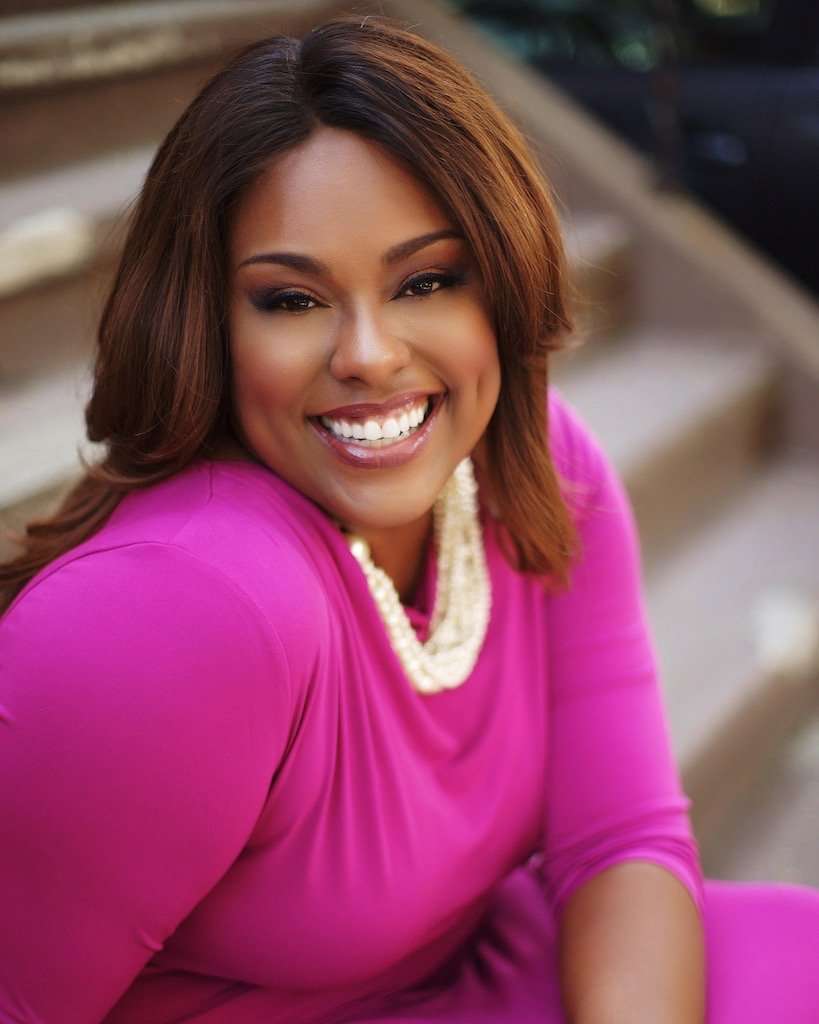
347 319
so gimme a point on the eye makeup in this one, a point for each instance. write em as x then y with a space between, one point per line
268 300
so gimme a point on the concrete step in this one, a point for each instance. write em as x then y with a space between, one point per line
9 7
738 672
82 81
97 190
774 836
41 430
600 249
683 417
60 237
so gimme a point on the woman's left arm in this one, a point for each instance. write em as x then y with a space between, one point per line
631 950
620 862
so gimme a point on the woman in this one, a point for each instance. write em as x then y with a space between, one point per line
328 696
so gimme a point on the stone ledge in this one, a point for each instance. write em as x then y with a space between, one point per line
71 212
90 43
730 709
41 429
683 417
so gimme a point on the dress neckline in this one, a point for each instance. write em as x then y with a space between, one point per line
419 608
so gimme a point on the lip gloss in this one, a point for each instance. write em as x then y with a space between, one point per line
354 453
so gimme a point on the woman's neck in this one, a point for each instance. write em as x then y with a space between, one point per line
401 552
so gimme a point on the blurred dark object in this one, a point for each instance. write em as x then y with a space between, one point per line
722 94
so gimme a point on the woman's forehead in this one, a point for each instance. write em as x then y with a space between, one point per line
335 185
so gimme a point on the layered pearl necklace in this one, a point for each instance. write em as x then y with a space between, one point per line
463 598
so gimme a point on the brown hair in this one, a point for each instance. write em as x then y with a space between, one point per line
161 379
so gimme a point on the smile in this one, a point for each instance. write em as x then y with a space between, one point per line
377 432
380 441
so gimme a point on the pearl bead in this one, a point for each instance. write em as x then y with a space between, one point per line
360 548
462 604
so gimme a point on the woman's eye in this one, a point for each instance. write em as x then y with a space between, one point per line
269 302
301 302
442 280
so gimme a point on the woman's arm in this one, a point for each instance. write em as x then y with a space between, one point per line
631 950
621 864
143 709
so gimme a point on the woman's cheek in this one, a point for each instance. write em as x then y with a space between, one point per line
282 358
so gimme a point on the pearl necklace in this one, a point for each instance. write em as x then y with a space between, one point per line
463 599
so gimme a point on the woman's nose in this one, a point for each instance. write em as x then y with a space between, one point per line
365 350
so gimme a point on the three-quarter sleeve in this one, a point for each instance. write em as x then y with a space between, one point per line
614 792
143 709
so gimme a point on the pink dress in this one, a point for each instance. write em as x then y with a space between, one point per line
221 802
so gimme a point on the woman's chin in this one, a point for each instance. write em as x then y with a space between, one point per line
389 516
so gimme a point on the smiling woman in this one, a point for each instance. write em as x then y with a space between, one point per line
328 695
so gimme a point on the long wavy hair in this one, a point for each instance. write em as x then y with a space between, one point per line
161 388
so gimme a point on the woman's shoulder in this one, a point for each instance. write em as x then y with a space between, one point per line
228 528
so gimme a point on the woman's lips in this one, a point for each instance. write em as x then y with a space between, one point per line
365 410
353 452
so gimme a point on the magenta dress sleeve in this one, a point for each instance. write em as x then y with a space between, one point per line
143 709
614 792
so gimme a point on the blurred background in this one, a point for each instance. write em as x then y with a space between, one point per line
722 95
682 140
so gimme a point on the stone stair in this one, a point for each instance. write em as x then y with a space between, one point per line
682 417
726 520
79 213
775 837
702 402
117 76
734 698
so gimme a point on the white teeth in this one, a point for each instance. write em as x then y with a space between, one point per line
371 430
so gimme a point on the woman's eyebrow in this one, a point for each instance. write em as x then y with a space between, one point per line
310 265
